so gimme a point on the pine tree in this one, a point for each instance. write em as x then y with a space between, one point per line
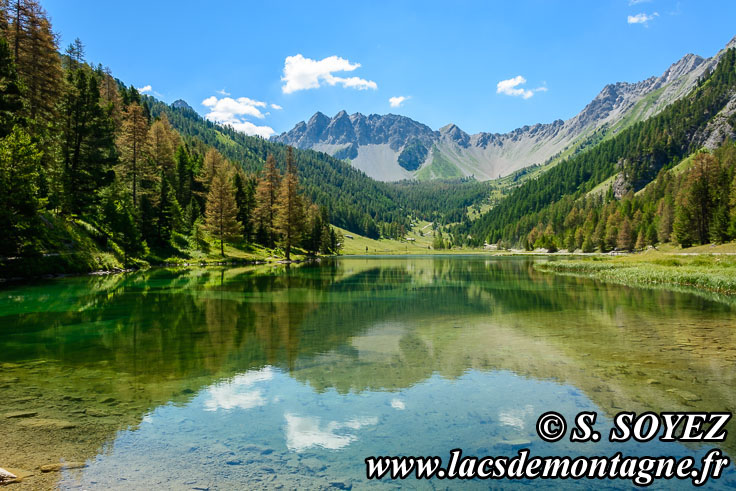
641 240
683 227
120 221
588 244
700 194
221 210
184 176
266 193
169 211
289 219
133 145
88 149
313 237
245 200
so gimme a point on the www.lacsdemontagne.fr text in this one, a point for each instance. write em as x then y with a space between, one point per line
641 471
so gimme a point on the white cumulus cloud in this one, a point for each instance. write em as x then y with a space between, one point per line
304 432
223 92
238 392
302 73
145 88
276 106
397 101
641 18
512 87
233 112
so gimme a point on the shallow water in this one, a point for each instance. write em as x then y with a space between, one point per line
253 377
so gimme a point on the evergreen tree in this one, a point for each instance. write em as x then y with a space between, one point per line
184 176
11 102
119 216
245 200
19 203
641 240
312 240
700 194
683 226
169 211
88 148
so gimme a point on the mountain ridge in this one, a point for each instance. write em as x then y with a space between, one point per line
374 143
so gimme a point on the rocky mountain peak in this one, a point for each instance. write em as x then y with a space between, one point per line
685 65
181 104
731 43
452 132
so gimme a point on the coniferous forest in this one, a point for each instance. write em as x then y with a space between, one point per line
92 169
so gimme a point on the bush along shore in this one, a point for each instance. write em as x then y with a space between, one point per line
714 273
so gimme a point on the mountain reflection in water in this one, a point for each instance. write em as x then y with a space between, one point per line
294 375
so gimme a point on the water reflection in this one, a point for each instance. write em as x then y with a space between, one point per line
341 357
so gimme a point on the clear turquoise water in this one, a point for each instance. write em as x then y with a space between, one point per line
250 377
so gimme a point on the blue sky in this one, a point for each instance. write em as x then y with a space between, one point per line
281 62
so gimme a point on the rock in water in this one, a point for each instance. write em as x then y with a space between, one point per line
47 424
62 465
21 414
6 476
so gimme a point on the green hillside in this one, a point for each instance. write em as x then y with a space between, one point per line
541 207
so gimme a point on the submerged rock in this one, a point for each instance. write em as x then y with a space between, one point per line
62 465
21 414
514 444
685 395
48 424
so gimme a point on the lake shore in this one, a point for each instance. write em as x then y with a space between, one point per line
698 270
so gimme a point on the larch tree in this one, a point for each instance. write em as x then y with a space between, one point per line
289 220
163 141
213 160
35 49
11 102
221 211
266 194
133 145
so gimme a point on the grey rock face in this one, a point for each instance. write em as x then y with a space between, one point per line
181 104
